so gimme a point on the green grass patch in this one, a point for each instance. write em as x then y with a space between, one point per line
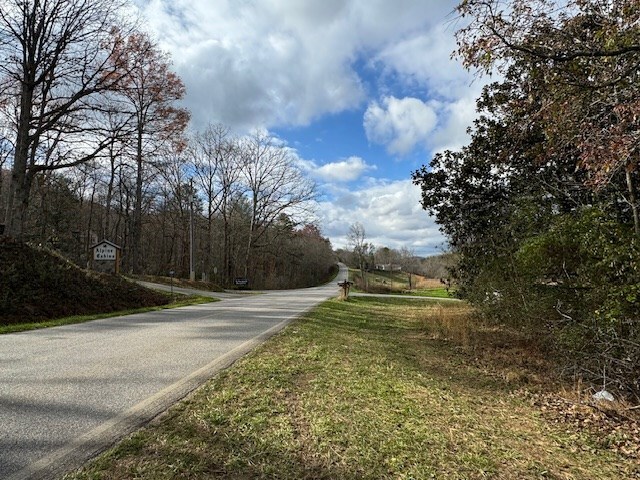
439 292
368 388
181 301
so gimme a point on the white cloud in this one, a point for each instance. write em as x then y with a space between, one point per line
390 213
456 117
400 124
249 64
425 60
281 62
343 171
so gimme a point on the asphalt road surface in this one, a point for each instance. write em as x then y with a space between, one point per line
67 393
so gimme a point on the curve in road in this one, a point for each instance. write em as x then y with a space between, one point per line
67 393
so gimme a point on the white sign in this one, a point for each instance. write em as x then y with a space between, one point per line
104 251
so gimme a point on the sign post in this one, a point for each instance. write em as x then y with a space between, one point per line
106 257
241 282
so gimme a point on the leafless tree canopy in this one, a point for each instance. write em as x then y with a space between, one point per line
58 58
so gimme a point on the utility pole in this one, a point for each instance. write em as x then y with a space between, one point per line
192 272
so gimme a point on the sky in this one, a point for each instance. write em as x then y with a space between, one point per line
362 91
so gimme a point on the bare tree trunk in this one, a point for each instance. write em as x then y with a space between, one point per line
226 268
209 243
136 228
90 219
252 224
633 201
3 212
106 228
20 185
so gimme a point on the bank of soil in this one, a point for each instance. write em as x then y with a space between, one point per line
37 285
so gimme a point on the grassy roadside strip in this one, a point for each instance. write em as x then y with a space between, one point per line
368 388
181 301
178 282
426 293
430 293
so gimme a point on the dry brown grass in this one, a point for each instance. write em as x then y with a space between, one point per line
450 323
424 282
525 363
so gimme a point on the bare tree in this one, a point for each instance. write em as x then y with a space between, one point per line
215 152
57 58
176 205
388 257
218 167
408 262
361 249
275 185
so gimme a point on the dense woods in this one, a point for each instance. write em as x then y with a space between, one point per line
542 205
94 145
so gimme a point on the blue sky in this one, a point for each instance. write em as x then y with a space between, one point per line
362 91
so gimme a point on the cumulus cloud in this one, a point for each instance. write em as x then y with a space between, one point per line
390 213
346 170
400 124
280 62
425 60
341 171
248 64
456 117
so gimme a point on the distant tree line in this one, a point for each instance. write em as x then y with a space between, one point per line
93 145
542 205
366 257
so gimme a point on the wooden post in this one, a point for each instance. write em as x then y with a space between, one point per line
344 289
117 266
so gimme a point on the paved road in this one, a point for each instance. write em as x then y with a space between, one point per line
191 291
67 393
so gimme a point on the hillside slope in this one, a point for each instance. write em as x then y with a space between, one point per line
38 285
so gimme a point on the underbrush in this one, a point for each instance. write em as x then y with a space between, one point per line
521 358
512 354
38 285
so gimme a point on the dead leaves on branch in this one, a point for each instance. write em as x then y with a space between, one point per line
583 57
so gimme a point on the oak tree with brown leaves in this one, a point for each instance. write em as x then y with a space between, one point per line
584 56
151 91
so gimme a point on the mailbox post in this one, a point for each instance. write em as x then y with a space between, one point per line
344 289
